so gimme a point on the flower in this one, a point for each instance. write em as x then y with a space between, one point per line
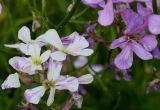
12 81
31 64
135 40
54 81
36 59
25 37
74 44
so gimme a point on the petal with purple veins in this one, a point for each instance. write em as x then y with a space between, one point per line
68 83
140 51
118 42
106 16
12 81
34 95
124 60
149 42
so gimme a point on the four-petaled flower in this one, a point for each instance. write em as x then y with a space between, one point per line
74 44
134 40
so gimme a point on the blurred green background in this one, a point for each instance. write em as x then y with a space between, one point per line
105 93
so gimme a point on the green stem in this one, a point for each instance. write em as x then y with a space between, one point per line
43 7
81 13
68 16
81 22
154 5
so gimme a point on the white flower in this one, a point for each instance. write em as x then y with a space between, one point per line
54 81
30 64
25 36
36 58
12 81
77 45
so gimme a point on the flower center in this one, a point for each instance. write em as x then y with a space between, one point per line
48 84
37 62
135 37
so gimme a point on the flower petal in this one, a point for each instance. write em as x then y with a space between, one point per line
80 61
52 37
118 42
58 56
45 56
79 42
54 69
125 58
24 34
97 67
51 97
12 45
12 81
140 51
93 1
145 12
154 24
83 52
68 83
156 53
21 64
106 16
85 79
149 42
34 95
34 51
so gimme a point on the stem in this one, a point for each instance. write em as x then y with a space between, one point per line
68 16
81 13
154 5
43 7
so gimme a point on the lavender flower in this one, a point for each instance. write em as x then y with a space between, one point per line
135 40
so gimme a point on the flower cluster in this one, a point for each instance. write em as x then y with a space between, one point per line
46 64
141 28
